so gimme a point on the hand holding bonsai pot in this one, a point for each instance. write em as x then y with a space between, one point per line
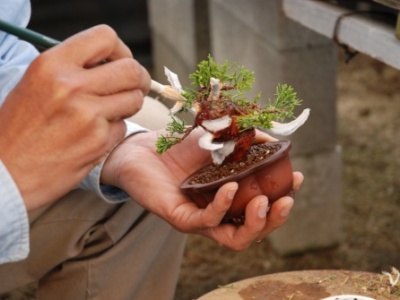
230 122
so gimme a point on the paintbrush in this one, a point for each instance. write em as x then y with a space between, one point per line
46 42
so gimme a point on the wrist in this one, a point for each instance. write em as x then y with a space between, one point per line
114 166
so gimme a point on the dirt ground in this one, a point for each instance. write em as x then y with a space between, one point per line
368 122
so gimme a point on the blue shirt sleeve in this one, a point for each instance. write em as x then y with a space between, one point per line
14 225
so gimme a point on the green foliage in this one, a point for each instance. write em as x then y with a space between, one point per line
191 96
280 109
241 79
207 69
236 80
165 142
286 100
255 119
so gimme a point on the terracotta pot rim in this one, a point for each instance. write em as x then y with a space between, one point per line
282 152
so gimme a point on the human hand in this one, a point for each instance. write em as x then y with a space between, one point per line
67 113
153 181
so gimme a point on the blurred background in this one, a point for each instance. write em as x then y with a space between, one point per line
59 19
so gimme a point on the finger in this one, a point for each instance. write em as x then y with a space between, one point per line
255 220
213 214
298 178
94 45
117 132
277 215
262 137
120 106
240 238
121 75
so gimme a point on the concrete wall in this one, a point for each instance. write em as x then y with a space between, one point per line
179 35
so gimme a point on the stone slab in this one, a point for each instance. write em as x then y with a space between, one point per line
307 285
265 18
173 21
315 219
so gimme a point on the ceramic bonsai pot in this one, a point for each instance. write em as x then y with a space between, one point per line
270 175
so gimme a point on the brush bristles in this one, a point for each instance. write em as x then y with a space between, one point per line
172 94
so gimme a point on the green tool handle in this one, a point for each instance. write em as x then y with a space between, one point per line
28 35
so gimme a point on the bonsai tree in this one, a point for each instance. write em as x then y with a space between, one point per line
218 101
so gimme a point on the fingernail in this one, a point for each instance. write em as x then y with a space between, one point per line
286 210
262 209
232 193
